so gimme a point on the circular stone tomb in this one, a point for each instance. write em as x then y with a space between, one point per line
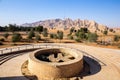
55 63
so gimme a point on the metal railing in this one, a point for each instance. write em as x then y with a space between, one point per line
26 47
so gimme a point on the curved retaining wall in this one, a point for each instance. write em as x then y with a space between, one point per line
48 70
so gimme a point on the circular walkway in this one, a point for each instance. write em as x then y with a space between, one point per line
11 70
109 59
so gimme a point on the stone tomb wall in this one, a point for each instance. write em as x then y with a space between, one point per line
53 70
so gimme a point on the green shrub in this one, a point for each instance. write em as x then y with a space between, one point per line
37 37
105 32
92 37
6 35
16 37
116 38
70 37
45 32
39 29
60 35
31 34
1 43
78 39
55 36
52 36
2 39
111 30
72 30
81 34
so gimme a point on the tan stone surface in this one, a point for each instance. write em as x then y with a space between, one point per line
49 70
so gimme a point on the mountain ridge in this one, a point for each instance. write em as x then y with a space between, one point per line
68 23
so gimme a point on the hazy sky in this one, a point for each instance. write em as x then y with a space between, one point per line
105 12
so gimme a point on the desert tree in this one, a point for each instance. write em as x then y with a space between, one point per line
77 39
2 39
72 30
116 38
105 32
92 37
60 35
12 28
37 37
53 36
39 29
81 34
111 30
31 34
16 37
45 33
71 37
5 35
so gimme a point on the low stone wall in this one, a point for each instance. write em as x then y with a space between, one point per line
47 70
20 51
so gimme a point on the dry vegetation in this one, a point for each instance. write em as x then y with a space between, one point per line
102 40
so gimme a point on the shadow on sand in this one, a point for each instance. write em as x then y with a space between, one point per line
14 78
91 67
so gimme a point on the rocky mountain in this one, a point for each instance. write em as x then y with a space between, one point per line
68 23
